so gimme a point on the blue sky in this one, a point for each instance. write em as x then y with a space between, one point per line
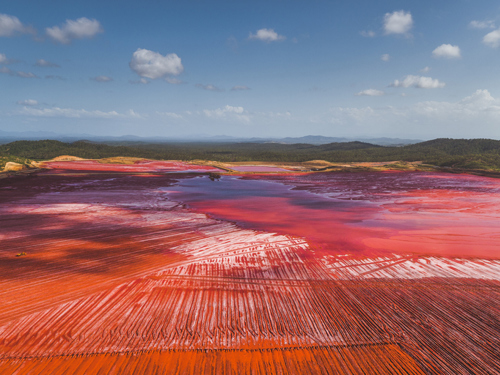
411 69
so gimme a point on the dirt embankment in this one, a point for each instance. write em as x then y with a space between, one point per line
13 167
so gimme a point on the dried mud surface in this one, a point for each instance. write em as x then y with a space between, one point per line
381 273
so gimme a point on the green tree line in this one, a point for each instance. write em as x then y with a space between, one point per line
445 152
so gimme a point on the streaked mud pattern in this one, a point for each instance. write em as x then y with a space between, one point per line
313 273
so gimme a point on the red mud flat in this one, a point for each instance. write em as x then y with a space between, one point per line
257 168
141 166
120 277
361 213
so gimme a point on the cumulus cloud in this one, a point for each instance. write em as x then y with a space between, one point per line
385 57
398 22
209 87
76 113
418 82
492 39
153 65
228 112
46 64
27 102
370 92
367 34
425 70
101 79
20 74
81 28
487 24
447 51
266 35
10 25
240 88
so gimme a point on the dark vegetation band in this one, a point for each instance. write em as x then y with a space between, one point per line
443 152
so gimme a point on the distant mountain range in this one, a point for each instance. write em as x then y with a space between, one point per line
6 137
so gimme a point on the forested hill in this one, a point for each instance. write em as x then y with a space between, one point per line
459 153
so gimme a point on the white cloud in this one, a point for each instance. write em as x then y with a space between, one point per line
487 24
418 82
266 35
240 88
398 22
47 64
228 112
370 92
367 34
76 113
27 102
101 79
171 115
209 87
26 75
492 39
74 29
153 65
474 116
20 74
425 70
385 57
447 51
10 25
3 59
174 81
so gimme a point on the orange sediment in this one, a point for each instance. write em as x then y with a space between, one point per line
120 279
378 359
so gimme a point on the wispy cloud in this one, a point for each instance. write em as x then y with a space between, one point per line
370 92
20 74
174 81
46 64
27 102
101 79
76 113
367 34
170 115
240 88
228 112
418 82
487 24
209 87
